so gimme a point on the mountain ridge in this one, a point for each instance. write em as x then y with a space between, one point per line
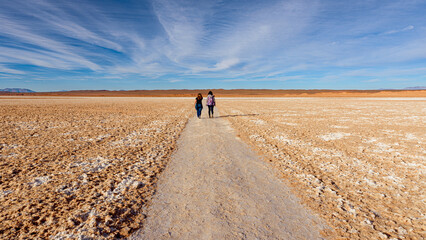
17 90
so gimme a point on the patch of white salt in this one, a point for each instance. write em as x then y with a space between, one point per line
334 136
257 138
39 181
336 126
258 122
410 136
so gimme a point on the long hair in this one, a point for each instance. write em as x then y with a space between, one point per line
200 97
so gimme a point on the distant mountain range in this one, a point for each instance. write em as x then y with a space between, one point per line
407 88
416 88
16 90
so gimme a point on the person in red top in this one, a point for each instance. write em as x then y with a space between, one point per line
211 102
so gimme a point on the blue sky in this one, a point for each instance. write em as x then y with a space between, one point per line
161 44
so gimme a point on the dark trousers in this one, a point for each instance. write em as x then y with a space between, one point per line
210 110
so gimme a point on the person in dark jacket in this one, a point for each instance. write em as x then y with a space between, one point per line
211 102
199 104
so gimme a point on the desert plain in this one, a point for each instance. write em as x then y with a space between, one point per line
76 168
87 167
358 162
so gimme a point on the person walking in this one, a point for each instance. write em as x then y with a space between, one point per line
199 104
211 102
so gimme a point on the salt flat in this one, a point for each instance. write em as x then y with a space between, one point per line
360 163
74 168
215 187
88 167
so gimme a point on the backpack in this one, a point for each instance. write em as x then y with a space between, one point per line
210 100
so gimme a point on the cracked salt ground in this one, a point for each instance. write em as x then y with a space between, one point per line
85 167
366 186
334 136
215 187
363 177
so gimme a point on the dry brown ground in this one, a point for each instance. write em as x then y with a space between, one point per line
359 163
73 167
82 167
233 93
215 187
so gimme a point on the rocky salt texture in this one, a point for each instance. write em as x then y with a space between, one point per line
82 168
359 163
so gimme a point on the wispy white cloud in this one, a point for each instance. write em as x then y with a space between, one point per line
176 80
4 69
375 75
266 79
408 28
374 80
40 50
248 35
219 66
62 22
182 22
226 63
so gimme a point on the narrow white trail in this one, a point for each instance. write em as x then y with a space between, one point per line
215 187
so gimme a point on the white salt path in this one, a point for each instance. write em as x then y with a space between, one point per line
215 187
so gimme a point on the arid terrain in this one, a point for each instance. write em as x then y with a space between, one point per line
229 93
216 187
76 167
359 163
82 167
